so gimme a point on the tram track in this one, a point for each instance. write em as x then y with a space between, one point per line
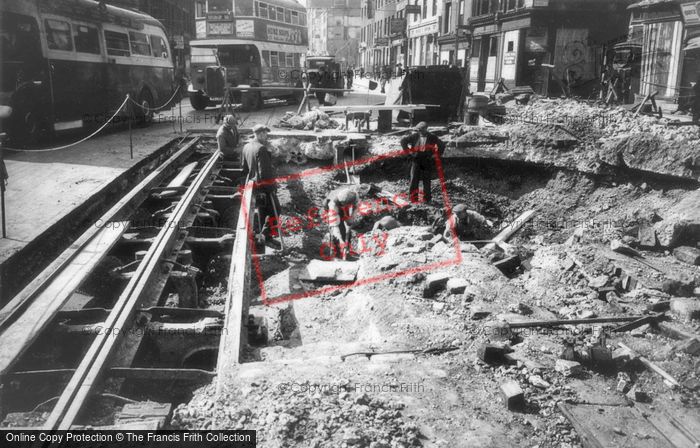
126 313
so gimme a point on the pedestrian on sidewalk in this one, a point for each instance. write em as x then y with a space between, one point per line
257 167
227 138
422 143
349 75
322 82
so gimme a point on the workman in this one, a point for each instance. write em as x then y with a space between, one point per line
469 225
341 207
257 167
422 160
227 138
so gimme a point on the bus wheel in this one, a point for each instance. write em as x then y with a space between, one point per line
25 129
252 101
145 112
198 101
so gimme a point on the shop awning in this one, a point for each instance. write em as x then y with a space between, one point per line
693 44
647 3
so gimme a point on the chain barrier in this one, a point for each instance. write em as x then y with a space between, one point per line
155 109
79 141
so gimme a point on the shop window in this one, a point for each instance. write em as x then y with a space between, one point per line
87 39
493 46
58 35
511 45
117 43
200 9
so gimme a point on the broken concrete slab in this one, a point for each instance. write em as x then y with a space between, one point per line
647 236
686 308
599 281
681 222
331 271
568 368
687 254
513 396
478 312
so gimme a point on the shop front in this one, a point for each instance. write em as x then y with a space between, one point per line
423 43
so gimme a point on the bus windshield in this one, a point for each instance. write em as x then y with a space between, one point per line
201 55
318 63
20 48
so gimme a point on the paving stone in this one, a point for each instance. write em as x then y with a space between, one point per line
513 395
457 285
636 394
647 236
599 281
538 382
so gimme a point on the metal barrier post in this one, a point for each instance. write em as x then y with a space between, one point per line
180 105
130 116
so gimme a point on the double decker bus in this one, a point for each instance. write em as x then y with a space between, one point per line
68 65
247 43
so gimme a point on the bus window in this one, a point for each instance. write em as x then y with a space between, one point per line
220 5
290 60
302 19
117 43
274 62
20 38
272 12
86 39
287 16
280 14
295 18
160 50
263 10
58 35
139 44
296 60
282 60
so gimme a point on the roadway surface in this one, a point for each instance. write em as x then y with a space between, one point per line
45 186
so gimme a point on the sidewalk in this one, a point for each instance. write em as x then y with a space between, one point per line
43 187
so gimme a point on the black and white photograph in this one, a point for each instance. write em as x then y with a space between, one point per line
350 223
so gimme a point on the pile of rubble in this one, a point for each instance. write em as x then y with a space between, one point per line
312 120
330 416
294 150
571 133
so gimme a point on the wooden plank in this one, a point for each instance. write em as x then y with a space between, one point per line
510 230
178 181
17 337
235 336
129 201
667 377
601 426
558 322
365 108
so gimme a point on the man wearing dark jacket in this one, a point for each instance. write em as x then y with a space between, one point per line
257 167
422 160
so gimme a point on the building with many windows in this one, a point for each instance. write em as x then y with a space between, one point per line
554 46
335 28
669 34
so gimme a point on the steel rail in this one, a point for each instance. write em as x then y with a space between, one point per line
95 360
17 335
